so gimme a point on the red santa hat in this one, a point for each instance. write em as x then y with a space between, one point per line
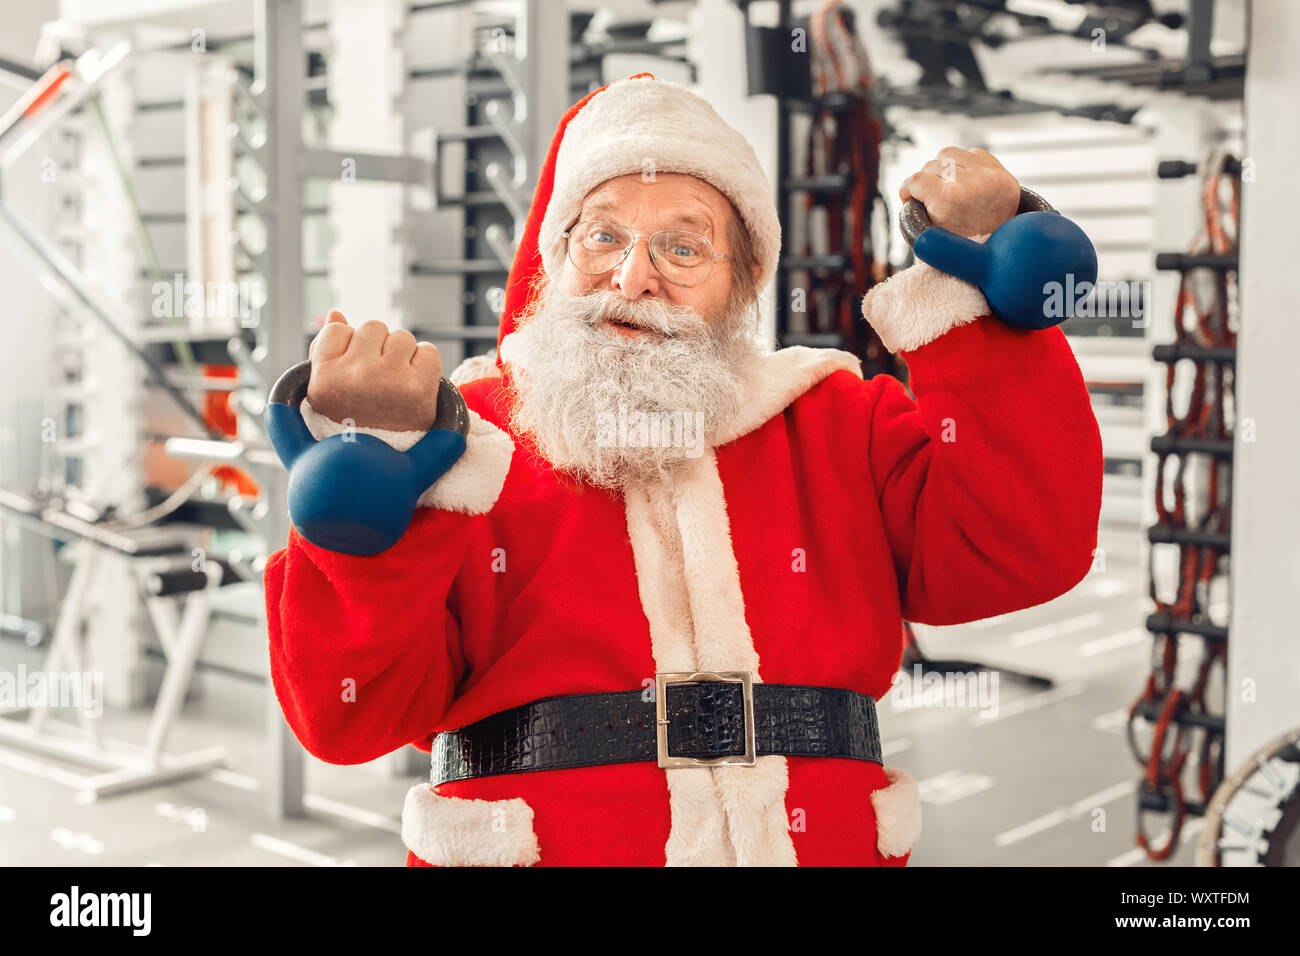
632 126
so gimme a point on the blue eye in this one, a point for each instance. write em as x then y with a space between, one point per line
602 237
683 251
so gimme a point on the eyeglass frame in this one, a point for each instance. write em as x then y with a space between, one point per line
627 250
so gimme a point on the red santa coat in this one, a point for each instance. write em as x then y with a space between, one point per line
833 509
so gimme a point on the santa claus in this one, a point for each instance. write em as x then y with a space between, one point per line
645 617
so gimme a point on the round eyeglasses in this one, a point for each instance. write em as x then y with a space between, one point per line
683 258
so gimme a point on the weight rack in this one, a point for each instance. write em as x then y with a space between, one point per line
1202 441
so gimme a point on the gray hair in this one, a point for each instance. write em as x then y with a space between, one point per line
743 260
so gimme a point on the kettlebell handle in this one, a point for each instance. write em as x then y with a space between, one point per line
913 219
453 414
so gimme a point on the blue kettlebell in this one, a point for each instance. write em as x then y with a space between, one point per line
1030 270
354 493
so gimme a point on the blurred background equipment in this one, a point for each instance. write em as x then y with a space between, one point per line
1253 817
1197 520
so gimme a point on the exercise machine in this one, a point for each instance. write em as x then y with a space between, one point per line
168 571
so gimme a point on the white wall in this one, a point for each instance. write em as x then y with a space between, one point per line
1263 647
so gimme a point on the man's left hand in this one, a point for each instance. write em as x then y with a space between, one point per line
966 191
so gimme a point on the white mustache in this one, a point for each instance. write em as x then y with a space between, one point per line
655 315
573 378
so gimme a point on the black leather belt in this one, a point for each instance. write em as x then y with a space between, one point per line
708 719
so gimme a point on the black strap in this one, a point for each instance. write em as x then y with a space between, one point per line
706 720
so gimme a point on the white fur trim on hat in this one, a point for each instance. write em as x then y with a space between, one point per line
640 125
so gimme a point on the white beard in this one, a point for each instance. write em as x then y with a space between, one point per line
616 411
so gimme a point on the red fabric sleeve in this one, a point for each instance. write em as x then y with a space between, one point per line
989 484
365 651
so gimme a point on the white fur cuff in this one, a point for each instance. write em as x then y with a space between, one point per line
450 831
471 486
919 304
898 813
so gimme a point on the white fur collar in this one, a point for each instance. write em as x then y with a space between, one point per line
783 376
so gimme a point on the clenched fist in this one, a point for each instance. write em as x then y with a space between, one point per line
376 378
966 191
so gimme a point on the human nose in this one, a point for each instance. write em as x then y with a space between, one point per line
636 275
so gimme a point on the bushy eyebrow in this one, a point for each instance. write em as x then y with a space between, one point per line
681 218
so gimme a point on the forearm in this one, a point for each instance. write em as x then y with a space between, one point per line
352 636
364 653
993 476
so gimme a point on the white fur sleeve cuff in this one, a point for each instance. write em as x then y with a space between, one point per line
471 486
919 304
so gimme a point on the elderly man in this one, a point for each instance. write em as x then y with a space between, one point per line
649 500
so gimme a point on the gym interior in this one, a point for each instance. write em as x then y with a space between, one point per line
188 188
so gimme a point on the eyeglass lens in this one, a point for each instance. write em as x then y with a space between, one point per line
683 257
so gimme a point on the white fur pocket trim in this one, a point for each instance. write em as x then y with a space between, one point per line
898 813
452 831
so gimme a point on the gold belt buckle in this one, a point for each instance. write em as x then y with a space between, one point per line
663 681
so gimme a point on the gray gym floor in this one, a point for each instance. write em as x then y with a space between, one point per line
1049 779
1021 788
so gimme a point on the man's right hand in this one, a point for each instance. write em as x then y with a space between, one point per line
376 378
